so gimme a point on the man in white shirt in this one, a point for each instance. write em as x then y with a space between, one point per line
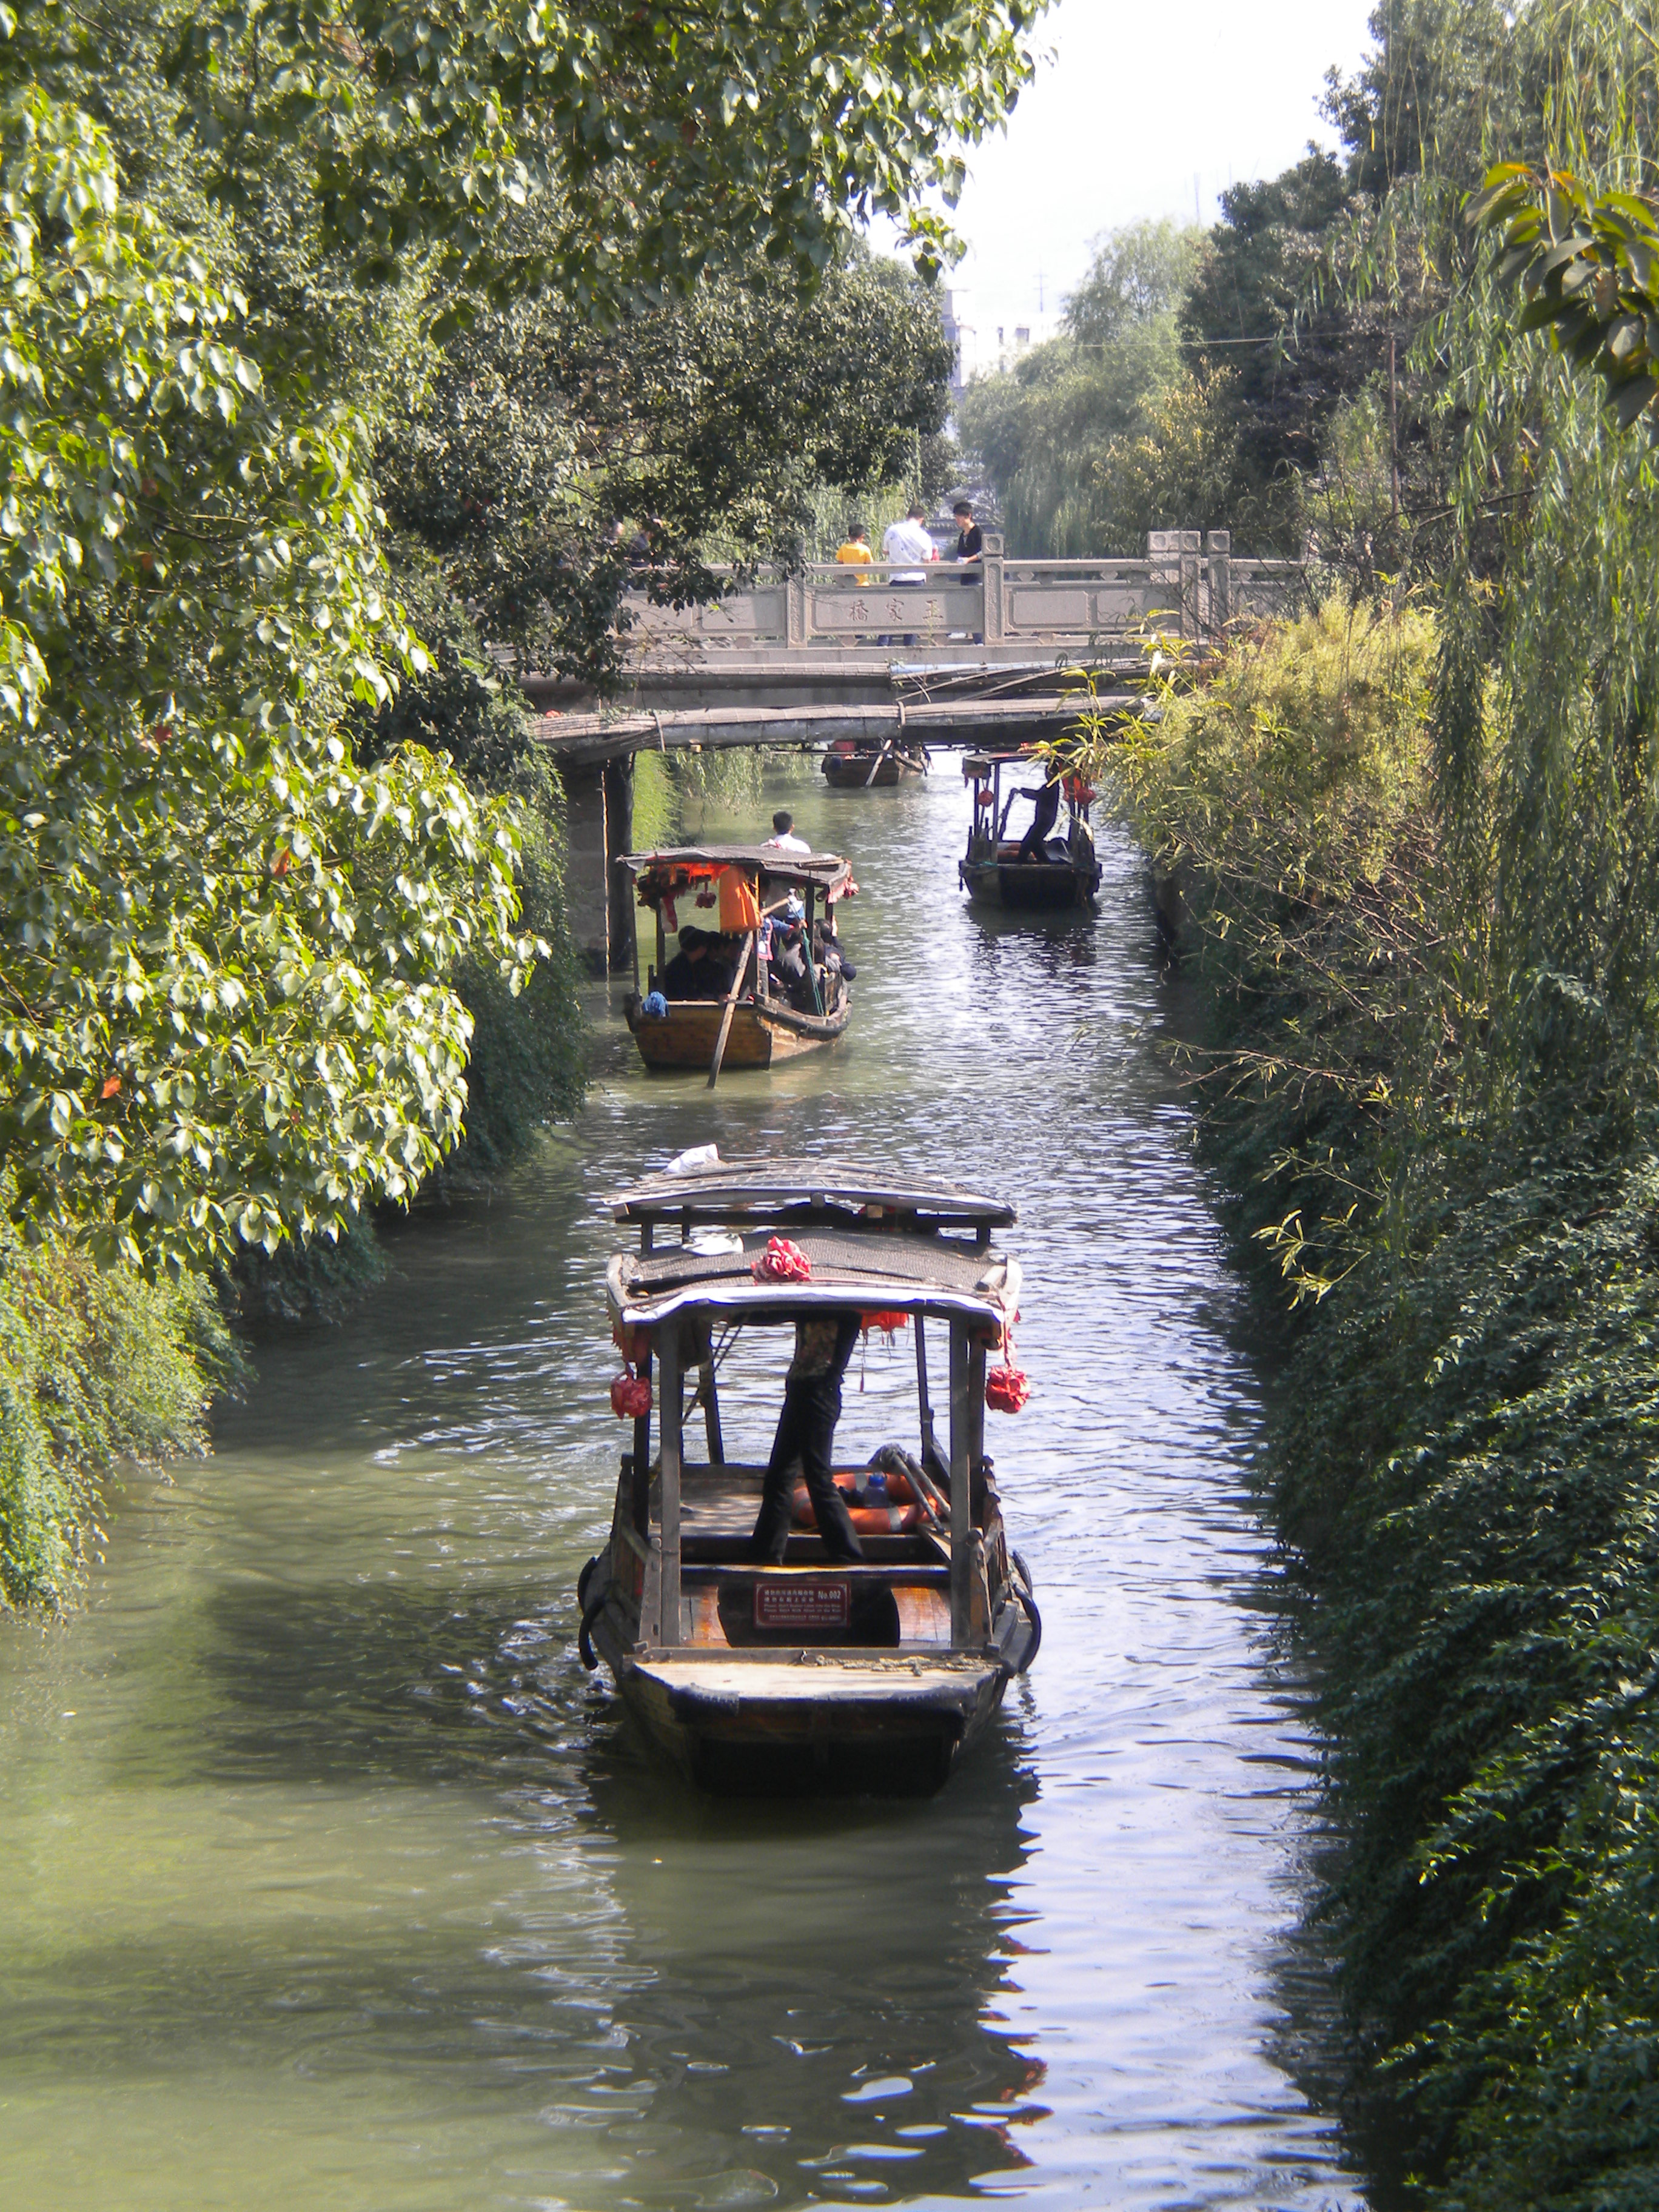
783 838
908 541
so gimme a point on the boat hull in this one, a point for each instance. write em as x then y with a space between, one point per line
849 772
761 1034
993 873
813 1722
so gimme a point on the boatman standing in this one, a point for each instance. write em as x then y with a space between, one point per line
806 1433
1033 846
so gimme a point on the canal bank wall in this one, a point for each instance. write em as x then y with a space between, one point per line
1465 1283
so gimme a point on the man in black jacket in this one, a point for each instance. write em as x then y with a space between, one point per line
1033 846
694 972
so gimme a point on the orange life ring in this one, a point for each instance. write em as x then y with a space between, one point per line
899 1519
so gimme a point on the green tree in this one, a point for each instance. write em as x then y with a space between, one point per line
1045 430
710 421
226 949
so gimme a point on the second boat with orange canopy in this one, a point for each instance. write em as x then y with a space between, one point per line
766 920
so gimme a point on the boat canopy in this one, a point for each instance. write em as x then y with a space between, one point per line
788 1191
866 1269
980 764
673 868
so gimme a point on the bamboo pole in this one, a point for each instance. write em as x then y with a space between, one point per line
731 1008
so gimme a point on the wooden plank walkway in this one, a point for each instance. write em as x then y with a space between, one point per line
587 740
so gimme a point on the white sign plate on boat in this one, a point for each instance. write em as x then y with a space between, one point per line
803 1605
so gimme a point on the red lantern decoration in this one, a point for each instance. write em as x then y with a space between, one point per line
888 1322
984 796
1005 1386
1006 1389
782 1262
630 1397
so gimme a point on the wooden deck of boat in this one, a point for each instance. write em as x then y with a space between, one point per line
819 1677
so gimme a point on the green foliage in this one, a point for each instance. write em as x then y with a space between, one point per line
96 1365
711 421
656 802
459 701
1250 307
657 148
1284 802
227 1017
526 1054
1466 1462
318 1281
1590 269
1138 275
528 1066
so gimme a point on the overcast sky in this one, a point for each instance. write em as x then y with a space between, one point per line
1139 102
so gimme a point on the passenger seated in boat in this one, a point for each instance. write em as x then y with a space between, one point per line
789 965
695 972
1033 846
807 1435
832 962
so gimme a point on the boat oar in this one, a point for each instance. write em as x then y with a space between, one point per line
886 747
731 1008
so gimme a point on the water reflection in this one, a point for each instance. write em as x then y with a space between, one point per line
829 2031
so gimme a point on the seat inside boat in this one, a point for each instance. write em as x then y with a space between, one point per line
898 1594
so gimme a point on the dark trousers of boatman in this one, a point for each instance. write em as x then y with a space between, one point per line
807 1435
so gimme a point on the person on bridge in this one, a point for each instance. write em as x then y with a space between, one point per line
970 539
783 838
969 557
806 1434
908 541
1034 845
854 552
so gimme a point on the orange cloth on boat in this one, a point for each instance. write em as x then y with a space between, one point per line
739 908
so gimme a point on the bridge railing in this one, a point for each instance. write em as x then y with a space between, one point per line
1189 584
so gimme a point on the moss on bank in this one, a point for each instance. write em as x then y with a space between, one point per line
1469 1463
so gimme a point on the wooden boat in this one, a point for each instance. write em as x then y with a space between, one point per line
737 891
873 1675
991 870
849 766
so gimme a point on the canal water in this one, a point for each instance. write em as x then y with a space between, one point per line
331 1880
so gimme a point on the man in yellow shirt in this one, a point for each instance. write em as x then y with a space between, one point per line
856 551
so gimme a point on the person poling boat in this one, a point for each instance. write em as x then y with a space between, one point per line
856 1627
1048 868
758 972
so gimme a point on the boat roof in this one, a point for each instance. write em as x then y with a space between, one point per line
863 1268
983 761
781 1190
826 871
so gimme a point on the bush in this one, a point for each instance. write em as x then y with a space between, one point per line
96 1365
1466 1466
528 1066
